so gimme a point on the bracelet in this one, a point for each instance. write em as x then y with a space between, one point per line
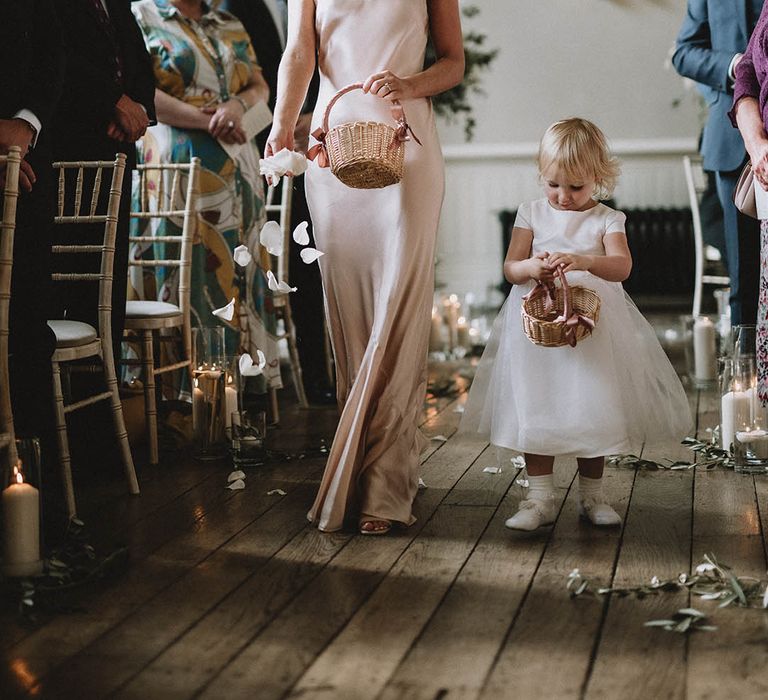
242 102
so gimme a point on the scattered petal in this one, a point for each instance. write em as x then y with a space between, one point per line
236 485
300 234
522 482
247 366
704 568
309 255
284 162
518 461
280 287
226 312
422 485
459 409
439 438
276 492
234 476
242 256
271 237
492 470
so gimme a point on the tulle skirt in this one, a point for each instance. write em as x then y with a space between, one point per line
611 394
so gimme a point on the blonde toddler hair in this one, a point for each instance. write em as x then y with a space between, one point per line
578 149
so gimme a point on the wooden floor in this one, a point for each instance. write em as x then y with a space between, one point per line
233 595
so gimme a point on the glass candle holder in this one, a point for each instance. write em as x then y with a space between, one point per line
249 433
750 436
22 508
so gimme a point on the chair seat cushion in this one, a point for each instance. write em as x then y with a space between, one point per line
150 309
70 334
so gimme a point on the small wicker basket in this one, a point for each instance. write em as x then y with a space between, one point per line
557 316
364 155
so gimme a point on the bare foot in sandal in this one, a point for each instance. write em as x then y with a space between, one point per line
374 526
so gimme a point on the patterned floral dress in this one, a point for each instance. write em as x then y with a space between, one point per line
201 63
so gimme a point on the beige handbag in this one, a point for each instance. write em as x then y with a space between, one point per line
744 193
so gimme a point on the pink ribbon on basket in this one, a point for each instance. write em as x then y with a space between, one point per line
403 132
569 317
319 151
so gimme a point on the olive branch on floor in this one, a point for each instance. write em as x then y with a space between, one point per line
712 580
708 456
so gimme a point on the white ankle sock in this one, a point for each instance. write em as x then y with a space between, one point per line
541 488
590 488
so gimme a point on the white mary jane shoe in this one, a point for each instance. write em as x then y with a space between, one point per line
532 514
599 513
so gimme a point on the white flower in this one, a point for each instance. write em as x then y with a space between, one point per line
309 255
226 312
271 237
242 256
300 234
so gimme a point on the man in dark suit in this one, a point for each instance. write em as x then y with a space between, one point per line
31 54
266 24
710 43
107 104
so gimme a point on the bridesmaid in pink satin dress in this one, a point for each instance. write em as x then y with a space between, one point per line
379 244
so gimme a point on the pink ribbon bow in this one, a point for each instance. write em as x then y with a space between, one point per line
319 151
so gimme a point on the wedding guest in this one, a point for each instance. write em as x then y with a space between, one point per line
709 46
615 389
750 114
106 106
266 22
31 53
379 244
207 77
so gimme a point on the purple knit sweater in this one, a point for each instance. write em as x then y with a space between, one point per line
752 71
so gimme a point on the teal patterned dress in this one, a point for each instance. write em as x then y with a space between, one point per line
204 62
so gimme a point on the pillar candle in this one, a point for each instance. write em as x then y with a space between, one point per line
462 332
436 343
230 402
21 528
198 409
734 415
704 349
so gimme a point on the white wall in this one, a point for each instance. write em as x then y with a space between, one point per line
600 59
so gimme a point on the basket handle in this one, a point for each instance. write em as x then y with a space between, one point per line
403 131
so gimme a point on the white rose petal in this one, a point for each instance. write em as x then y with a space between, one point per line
226 312
309 255
247 367
300 234
271 237
234 476
237 485
242 256
280 287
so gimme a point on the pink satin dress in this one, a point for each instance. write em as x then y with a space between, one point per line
378 267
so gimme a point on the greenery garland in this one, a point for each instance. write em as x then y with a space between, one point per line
454 104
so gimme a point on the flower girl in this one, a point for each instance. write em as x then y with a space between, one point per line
615 390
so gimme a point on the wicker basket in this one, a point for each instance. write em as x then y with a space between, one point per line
557 316
364 155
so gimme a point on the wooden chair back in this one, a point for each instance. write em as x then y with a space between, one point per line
11 163
77 175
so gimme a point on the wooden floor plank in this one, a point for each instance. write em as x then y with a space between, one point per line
727 524
112 659
55 642
277 657
547 652
656 542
